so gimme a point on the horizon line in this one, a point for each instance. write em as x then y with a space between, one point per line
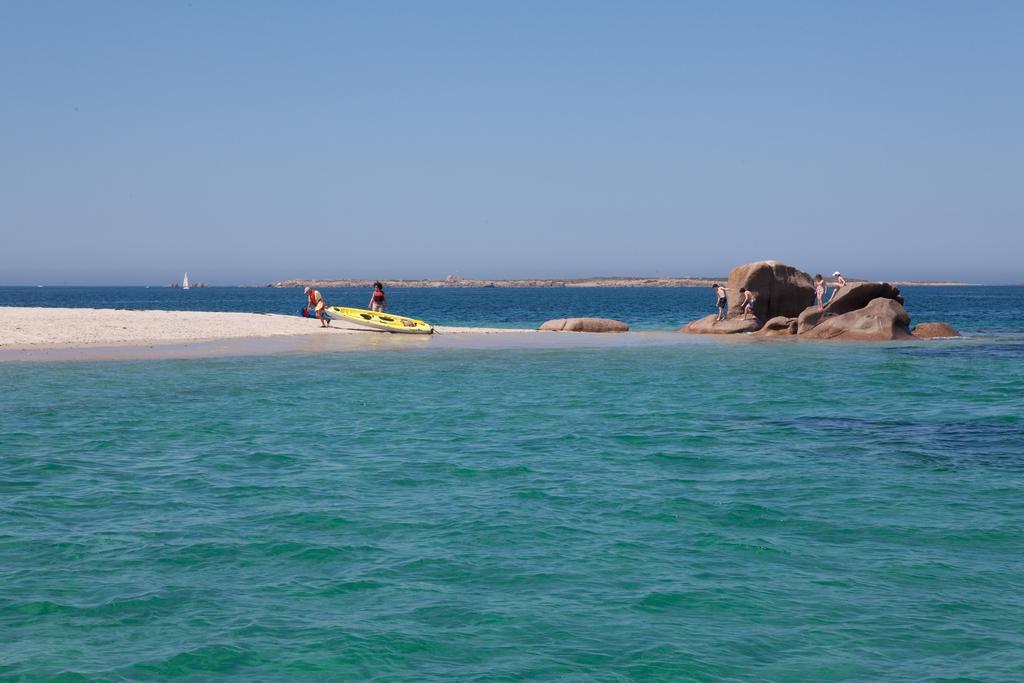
271 284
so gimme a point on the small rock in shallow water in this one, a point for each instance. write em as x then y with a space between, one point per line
934 331
585 325
712 325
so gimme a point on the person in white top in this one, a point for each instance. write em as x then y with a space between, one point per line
839 284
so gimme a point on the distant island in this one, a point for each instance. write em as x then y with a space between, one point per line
456 281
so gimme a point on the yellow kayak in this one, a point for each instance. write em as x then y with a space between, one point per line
385 322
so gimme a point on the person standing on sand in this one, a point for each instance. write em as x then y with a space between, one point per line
722 301
317 305
378 300
840 283
747 303
819 290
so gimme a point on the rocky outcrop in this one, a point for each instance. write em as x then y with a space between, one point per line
780 290
585 325
934 331
856 296
779 326
810 319
712 325
883 319
850 298
860 311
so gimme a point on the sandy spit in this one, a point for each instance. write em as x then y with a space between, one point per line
28 328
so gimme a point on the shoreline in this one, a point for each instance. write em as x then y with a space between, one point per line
87 334
371 342
30 334
82 334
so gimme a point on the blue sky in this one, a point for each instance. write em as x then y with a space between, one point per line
252 141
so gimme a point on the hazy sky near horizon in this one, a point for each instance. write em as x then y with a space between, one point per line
252 141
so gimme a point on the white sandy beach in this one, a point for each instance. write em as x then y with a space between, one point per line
29 328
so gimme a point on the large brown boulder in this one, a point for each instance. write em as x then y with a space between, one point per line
712 325
585 325
780 290
934 331
852 297
882 319
778 326
810 319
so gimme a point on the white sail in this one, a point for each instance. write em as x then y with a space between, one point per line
184 283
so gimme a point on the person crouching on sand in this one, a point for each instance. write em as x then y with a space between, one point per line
819 290
317 305
722 302
747 303
378 300
840 283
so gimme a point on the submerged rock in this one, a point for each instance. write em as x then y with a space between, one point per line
934 331
883 319
585 325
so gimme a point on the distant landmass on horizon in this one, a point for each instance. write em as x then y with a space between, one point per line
457 281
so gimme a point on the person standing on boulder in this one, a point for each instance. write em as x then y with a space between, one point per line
747 303
722 302
819 290
840 283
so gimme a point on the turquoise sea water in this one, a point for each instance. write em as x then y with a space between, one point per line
695 511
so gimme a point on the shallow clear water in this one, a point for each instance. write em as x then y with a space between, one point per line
972 309
687 512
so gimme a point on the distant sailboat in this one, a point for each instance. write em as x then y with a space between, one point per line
184 283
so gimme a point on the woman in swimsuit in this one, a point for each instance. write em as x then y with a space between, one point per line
378 300
819 290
